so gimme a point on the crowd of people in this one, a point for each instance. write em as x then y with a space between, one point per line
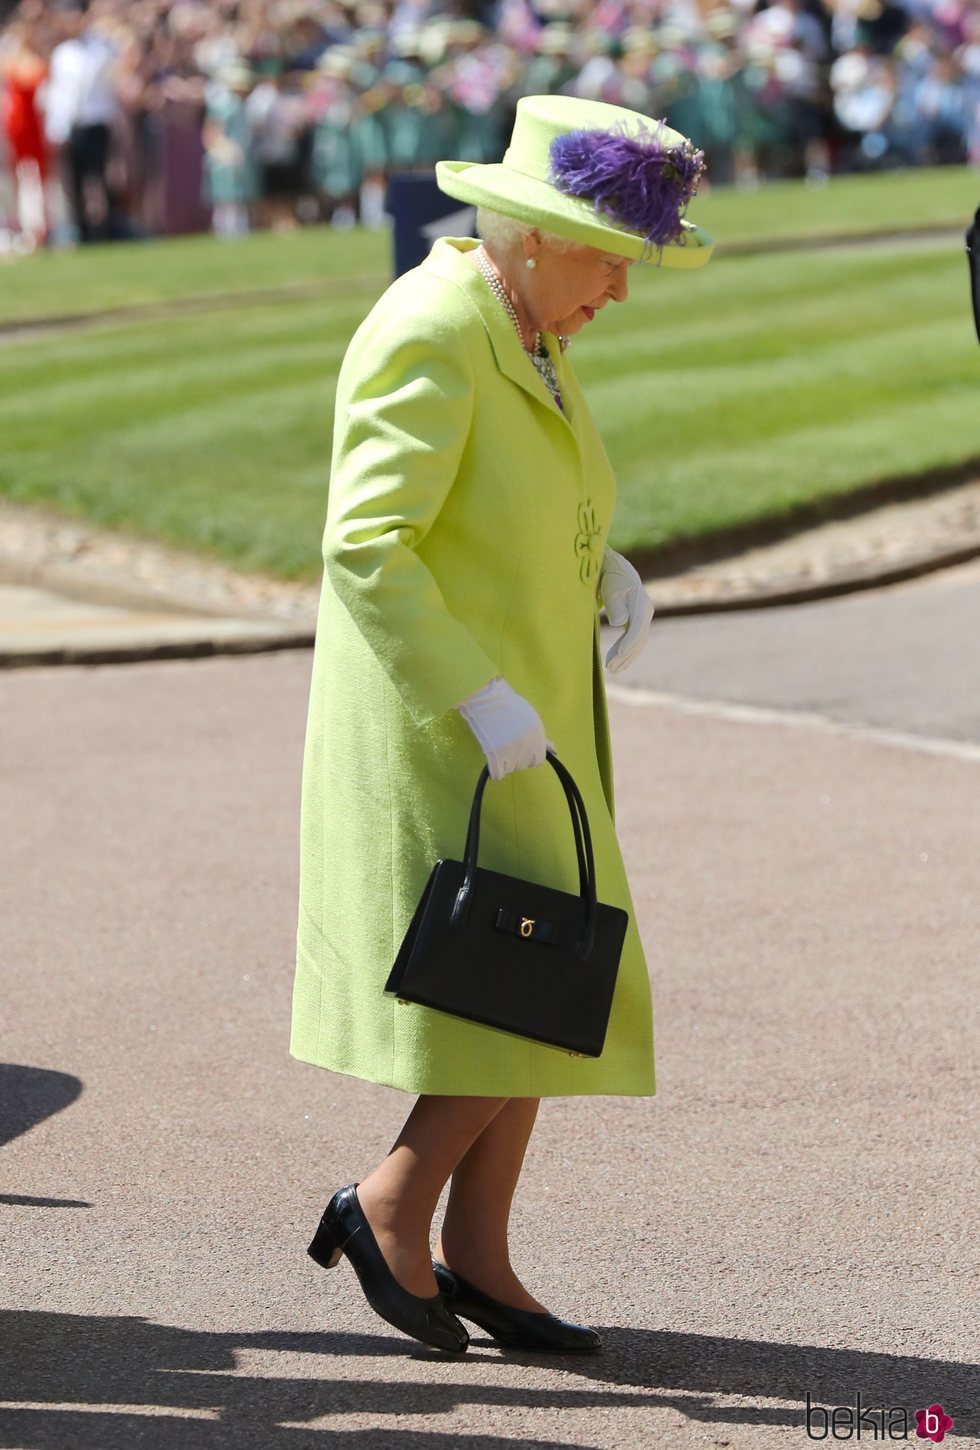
133 118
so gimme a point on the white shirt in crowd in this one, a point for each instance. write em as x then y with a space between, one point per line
277 119
79 90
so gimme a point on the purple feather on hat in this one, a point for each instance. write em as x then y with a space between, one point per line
634 179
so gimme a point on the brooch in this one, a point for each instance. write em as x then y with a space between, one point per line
588 545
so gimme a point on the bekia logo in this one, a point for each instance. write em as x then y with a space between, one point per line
847 1422
933 1423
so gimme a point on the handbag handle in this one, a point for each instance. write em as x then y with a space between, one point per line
583 851
473 830
580 820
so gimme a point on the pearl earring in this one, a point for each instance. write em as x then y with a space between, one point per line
531 263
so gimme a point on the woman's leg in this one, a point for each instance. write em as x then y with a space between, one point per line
399 1197
474 1232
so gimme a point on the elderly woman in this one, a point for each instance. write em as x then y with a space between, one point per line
465 563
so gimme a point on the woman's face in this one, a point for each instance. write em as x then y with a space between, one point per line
565 290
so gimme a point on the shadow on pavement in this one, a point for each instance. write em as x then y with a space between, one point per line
30 1200
28 1095
109 1383
707 1365
36 1431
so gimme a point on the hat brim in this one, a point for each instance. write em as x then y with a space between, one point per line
502 189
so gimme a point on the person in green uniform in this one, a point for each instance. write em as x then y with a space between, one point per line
335 166
403 118
231 174
372 95
465 561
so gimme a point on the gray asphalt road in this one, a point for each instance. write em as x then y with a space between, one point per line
793 1214
904 658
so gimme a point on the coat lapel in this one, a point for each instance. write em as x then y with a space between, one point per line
447 259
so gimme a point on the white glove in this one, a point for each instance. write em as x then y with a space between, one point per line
507 726
626 602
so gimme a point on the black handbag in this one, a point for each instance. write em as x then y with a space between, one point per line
512 954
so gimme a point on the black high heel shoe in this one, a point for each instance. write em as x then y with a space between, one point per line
345 1230
515 1328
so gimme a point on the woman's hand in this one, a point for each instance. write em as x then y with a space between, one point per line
626 602
507 726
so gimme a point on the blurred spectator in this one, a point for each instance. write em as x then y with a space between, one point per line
943 101
231 172
278 121
865 89
80 106
22 71
155 117
337 161
175 97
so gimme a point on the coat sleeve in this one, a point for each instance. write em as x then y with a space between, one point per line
404 408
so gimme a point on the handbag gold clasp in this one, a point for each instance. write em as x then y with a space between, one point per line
527 925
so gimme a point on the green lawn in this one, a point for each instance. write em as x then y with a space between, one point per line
55 283
761 384
944 196
728 395
123 274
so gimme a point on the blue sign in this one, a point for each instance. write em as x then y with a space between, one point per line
421 212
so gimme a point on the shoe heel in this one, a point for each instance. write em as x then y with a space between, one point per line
324 1250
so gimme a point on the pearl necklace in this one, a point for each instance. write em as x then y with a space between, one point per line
497 288
537 355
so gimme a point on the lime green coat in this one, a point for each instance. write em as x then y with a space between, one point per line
465 526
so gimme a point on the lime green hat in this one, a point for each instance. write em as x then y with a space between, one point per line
597 174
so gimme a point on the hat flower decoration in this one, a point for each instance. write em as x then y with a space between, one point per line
637 180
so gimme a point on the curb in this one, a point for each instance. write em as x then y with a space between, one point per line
244 644
265 638
913 568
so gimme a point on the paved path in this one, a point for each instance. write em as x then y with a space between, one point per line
904 658
793 1213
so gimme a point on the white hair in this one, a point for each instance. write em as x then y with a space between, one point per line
504 232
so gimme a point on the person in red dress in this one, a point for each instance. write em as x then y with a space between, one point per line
23 69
